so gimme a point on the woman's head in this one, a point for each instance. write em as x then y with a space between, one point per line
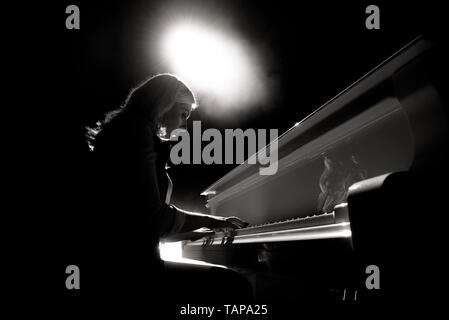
165 101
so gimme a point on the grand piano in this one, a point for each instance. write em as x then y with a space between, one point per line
355 187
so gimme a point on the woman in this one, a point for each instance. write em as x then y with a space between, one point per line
132 208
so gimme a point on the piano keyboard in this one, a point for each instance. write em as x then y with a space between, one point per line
323 226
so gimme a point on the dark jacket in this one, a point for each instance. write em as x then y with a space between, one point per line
130 214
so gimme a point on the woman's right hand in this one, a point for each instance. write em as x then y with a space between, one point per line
218 222
194 221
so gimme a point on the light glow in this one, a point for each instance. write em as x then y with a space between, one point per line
172 252
213 64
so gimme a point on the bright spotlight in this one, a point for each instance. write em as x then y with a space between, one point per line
211 62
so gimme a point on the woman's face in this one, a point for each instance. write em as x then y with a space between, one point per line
176 118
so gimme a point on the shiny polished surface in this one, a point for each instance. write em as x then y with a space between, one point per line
338 230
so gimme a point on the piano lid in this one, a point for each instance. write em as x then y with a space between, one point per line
371 128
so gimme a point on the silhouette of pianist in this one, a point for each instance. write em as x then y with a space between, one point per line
131 202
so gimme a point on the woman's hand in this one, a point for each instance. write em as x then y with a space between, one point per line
195 220
202 227
189 235
226 222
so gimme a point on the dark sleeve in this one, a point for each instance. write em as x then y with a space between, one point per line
163 218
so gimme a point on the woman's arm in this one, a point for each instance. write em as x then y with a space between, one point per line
194 220
166 219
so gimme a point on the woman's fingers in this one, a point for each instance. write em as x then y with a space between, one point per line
229 222
236 222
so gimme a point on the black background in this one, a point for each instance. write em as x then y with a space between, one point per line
63 80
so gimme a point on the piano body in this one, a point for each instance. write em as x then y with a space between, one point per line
352 189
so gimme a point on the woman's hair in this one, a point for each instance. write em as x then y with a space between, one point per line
151 99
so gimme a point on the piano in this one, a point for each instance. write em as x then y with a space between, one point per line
356 182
